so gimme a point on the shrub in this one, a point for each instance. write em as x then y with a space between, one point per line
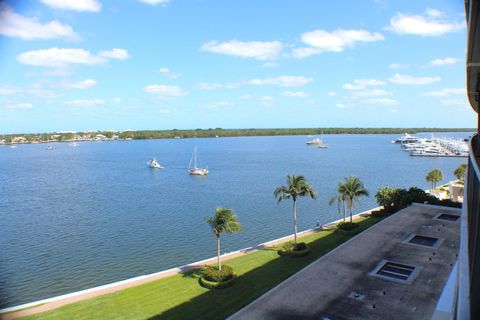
289 249
212 274
217 285
380 213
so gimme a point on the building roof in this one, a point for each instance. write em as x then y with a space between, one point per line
340 285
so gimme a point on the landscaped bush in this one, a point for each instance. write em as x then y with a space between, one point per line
347 226
211 273
217 285
401 198
380 213
289 249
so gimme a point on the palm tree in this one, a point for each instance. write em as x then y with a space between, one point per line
460 171
296 187
353 189
226 221
340 200
384 197
434 177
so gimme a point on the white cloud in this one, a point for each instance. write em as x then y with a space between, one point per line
15 25
270 65
371 93
341 106
411 80
434 12
115 53
455 102
335 41
332 94
86 102
165 90
168 73
398 66
381 101
18 106
297 94
155 2
246 97
446 92
60 57
282 81
443 62
219 104
8 90
361 84
266 101
209 86
268 50
84 84
75 5
430 25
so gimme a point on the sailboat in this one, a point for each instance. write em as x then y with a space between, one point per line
322 144
194 170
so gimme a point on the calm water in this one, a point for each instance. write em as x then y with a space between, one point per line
74 218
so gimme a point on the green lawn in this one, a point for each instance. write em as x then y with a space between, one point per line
181 297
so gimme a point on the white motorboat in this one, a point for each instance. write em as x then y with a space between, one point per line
152 163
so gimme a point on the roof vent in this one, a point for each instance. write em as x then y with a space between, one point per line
447 217
393 271
423 241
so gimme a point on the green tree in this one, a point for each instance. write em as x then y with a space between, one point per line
385 197
226 221
297 186
460 171
352 188
434 177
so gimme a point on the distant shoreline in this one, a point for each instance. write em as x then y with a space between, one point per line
32 138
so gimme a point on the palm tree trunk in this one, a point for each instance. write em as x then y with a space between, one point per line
218 253
344 211
295 220
351 219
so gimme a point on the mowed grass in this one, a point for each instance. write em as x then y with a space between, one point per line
181 296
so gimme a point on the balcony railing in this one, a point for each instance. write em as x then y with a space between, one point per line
472 209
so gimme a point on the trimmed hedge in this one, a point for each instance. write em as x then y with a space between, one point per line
379 214
211 273
218 285
289 249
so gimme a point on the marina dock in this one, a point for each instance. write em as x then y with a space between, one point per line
433 147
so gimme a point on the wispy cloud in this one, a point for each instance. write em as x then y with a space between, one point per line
14 25
411 80
83 5
443 62
446 92
336 41
296 94
268 50
60 57
84 84
282 81
85 102
164 90
18 106
155 2
361 84
166 72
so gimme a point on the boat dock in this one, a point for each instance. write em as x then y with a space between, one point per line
433 147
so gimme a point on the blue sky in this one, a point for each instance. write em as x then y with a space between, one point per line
164 64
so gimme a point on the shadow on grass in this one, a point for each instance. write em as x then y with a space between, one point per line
219 304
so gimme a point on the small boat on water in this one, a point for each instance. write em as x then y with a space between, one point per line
317 142
49 148
195 171
406 138
73 144
152 163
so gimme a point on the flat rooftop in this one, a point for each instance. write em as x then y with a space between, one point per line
383 273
